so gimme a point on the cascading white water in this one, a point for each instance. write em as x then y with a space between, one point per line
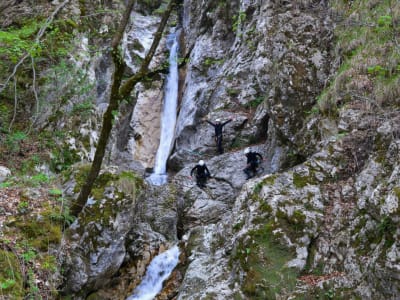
159 269
168 118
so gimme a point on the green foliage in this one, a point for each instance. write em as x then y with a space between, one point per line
330 294
258 187
238 226
63 158
5 184
8 283
238 20
82 108
39 179
13 141
11 282
18 41
4 116
377 71
387 228
254 103
29 255
49 263
384 21
64 218
210 61
23 207
55 192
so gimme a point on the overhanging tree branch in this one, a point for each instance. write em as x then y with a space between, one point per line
127 87
118 92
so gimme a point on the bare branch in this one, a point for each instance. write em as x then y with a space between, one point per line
127 87
35 94
37 39
15 104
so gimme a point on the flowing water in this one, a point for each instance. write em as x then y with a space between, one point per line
159 269
168 118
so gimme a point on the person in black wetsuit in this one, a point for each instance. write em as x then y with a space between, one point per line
218 126
253 160
202 173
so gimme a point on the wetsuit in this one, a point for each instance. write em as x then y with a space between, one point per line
253 159
218 127
202 173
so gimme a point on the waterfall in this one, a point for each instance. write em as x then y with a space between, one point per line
168 117
159 269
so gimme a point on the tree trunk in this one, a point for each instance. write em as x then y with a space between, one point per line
118 92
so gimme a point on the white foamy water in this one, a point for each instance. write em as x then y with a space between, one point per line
168 118
159 269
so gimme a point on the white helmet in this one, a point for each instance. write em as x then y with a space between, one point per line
217 120
247 150
201 162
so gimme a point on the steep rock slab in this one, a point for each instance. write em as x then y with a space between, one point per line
272 64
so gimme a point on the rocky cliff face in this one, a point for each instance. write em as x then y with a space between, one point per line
312 86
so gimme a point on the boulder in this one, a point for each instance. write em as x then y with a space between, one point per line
4 173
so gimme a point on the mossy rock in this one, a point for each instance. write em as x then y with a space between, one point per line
292 225
125 186
300 181
264 260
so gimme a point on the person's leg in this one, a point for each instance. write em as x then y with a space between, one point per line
219 144
253 169
201 181
248 172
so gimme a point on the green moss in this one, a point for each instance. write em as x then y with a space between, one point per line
238 226
387 228
265 207
258 187
11 279
40 232
270 180
128 185
294 224
80 176
300 181
264 260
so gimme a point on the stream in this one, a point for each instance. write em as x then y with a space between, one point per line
159 269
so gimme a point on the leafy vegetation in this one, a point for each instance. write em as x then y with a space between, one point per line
238 20
370 50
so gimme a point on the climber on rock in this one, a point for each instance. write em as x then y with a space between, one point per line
218 126
253 161
202 173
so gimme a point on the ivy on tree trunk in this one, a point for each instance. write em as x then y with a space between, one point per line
119 91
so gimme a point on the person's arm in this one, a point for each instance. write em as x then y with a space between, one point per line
230 120
248 161
191 172
208 172
211 123
259 155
